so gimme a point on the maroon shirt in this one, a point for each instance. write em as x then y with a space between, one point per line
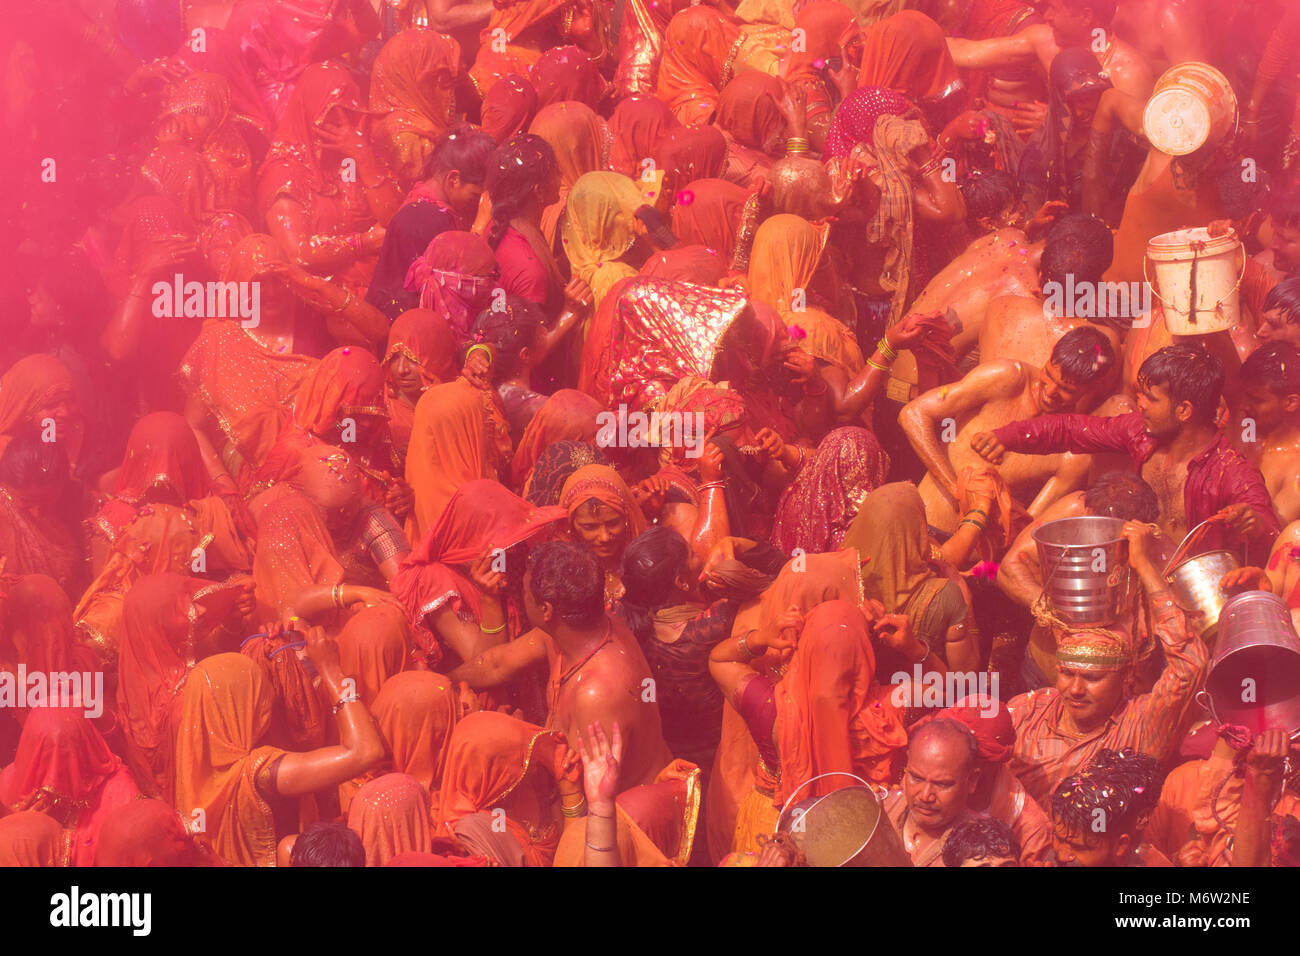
1216 478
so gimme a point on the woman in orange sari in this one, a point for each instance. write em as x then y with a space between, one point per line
197 113
711 216
38 388
604 516
412 101
498 762
508 107
39 531
566 73
700 51
391 815
373 647
150 833
568 415
29 838
243 786
637 124
582 145
64 769
687 154
908 53
749 112
421 353
517 33
828 27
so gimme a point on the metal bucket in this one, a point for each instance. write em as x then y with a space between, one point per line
846 827
1254 678
1195 583
1086 576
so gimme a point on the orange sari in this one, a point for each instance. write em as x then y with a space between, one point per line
498 54
37 387
458 435
582 144
30 839
225 712
490 755
568 415
700 49
412 99
416 712
391 815
294 550
655 827
373 647
425 339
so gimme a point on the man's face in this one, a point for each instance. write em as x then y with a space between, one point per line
1268 410
1159 415
1090 696
462 195
938 780
1284 241
601 527
1055 394
1082 849
1070 25
1274 327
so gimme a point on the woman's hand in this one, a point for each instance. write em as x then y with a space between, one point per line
578 296
770 444
322 649
478 366
490 582
912 328
601 759
399 498
801 364
793 105
711 463
895 632
650 495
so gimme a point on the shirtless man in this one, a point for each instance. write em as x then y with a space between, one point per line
598 673
1166 32
1024 327
1269 434
1173 440
1069 23
942 423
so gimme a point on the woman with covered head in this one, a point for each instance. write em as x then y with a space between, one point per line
412 101
828 29
601 230
455 277
391 815
38 524
604 516
421 353
581 143
243 786
197 113
39 394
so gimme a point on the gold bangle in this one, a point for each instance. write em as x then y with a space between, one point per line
887 350
336 594
878 366
577 810
347 301
492 630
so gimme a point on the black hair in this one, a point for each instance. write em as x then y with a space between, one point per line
1140 773
1285 298
952 728
1123 785
328 844
1080 246
1239 197
1103 11
514 170
1190 374
651 563
1084 355
1284 209
29 462
1122 494
568 576
1276 366
980 838
465 149
509 330
987 192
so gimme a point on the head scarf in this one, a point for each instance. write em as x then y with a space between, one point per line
787 251
567 73
748 109
996 735
412 98
890 529
30 838
711 406
710 215
373 647
508 107
348 381
553 468
827 25
649 333
481 516
225 712
455 278
700 49
908 53
449 446
489 757
416 712
321 87
581 142
61 763
427 341
818 507
599 230
162 451
511 20
832 714
693 264
855 119
146 833
638 123
809 581
1094 650
568 415
223 149
604 485
32 386
38 626
690 153
391 815
294 549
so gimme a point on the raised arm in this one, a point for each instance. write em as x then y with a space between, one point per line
497 665
1029 45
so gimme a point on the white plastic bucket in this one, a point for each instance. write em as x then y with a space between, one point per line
1192 262
1192 105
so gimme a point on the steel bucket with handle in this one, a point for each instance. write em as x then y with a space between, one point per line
846 827
1195 582
1254 676
1086 575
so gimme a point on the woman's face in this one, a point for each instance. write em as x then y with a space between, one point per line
404 375
601 527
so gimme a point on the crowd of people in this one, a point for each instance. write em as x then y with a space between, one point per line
580 433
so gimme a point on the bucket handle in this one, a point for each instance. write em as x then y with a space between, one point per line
1184 546
832 773
1192 309
1208 704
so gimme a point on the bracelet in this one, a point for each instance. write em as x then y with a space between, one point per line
887 350
877 366
577 810
345 700
336 595
742 642
803 456
796 146
978 511
354 241
721 483
926 645
930 167
971 521
600 849
492 630
347 301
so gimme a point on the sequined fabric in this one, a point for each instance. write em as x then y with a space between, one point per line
412 99
391 815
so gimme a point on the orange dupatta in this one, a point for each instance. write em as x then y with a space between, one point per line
700 48
225 711
294 549
582 144
33 388
416 712
391 815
